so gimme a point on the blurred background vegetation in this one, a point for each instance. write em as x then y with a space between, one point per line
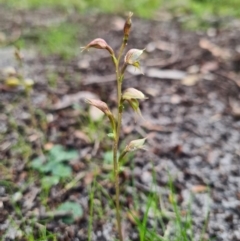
143 8
62 39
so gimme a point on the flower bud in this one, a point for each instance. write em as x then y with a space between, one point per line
104 108
100 105
18 55
127 27
99 43
12 82
134 145
9 71
132 93
28 83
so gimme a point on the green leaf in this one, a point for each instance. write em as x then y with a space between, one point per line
61 170
38 163
59 154
108 157
111 135
48 182
48 167
75 208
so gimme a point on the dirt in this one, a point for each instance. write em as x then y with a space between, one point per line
191 118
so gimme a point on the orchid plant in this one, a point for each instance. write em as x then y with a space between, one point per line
130 96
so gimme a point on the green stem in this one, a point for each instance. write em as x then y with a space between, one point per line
116 164
124 43
119 76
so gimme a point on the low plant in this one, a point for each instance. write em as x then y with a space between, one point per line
130 96
54 165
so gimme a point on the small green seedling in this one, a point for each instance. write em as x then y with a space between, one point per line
130 96
54 164
72 207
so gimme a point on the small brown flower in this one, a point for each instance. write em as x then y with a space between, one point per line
100 105
98 43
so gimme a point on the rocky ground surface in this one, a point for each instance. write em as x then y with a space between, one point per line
191 118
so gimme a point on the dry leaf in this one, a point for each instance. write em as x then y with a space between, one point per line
165 74
209 66
214 49
82 136
199 188
152 126
190 80
235 107
48 146
132 215
88 179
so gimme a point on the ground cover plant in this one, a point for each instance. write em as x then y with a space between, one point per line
185 187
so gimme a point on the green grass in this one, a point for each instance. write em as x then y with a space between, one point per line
214 7
202 14
174 225
143 8
61 40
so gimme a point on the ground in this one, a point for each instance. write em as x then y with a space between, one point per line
54 149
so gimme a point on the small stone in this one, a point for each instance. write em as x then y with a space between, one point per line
146 177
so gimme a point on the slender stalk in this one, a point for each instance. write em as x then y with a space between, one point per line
119 77
115 150
123 45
